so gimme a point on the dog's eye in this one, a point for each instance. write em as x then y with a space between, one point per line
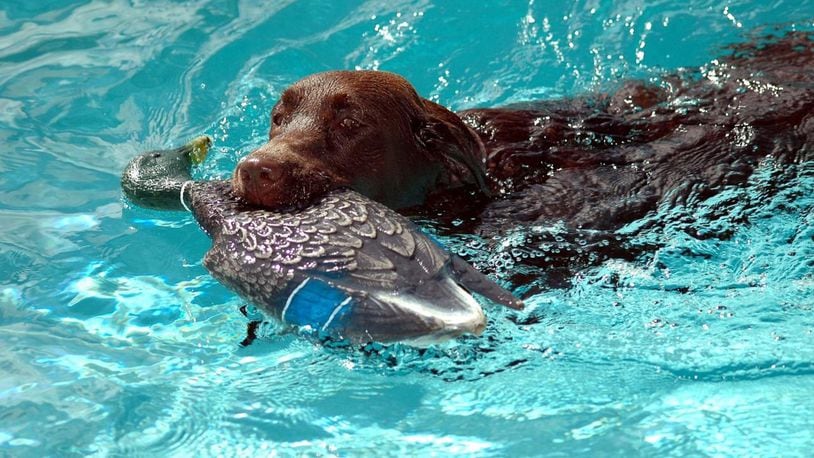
349 123
277 119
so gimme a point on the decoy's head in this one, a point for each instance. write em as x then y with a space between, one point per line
154 179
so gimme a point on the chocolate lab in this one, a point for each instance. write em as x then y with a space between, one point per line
594 162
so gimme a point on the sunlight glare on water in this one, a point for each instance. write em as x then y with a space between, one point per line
116 341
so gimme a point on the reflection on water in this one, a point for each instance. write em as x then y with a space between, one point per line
116 341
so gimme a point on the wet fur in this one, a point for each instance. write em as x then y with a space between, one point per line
593 163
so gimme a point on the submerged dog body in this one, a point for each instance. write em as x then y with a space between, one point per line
597 162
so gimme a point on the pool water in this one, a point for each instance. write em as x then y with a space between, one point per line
114 340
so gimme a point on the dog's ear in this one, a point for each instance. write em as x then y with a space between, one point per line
430 127
443 137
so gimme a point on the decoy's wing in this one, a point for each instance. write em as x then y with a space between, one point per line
378 249
372 246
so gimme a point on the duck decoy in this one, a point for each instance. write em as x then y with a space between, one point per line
345 267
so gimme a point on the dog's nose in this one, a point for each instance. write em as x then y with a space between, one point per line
254 173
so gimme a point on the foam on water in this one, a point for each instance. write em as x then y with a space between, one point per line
115 340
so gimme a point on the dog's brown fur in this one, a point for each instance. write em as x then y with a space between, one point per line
596 162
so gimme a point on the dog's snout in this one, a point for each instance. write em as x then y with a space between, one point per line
255 172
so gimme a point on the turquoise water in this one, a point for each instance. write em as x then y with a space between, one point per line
114 340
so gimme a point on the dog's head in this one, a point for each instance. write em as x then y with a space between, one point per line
364 130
